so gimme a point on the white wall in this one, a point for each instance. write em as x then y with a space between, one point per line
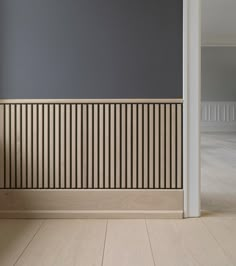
218 111
219 74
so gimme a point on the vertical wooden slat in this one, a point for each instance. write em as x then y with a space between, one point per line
73 162
57 146
162 146
176 143
128 142
14 144
151 146
126 147
37 143
168 146
51 145
18 147
112 146
2 143
157 145
23 146
76 145
121 129
140 146
68 147
66 140
69 185
179 145
87 145
123 154
39 147
118 147
46 146
173 141
90 146
106 146
101 146
134 142
96 129
29 158
7 146
43 147
34 151
131 146
79 145
53 142
62 147
109 146
12 147
145 146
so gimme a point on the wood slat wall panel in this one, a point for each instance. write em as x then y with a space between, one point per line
91 145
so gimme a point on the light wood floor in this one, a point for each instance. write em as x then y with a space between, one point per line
210 240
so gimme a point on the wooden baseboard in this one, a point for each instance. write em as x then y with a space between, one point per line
91 214
91 204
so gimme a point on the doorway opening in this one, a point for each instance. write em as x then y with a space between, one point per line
218 108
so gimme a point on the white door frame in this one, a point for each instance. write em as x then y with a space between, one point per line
191 113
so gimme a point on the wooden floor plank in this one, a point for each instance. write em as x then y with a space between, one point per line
127 244
15 235
67 242
184 243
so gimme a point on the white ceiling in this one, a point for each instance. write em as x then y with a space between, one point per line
219 22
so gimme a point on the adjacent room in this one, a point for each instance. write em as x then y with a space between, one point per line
218 114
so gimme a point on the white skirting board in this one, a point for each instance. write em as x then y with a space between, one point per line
218 116
16 203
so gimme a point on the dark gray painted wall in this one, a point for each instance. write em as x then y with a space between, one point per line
219 74
91 49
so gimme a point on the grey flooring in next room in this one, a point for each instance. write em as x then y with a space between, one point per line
207 241
218 153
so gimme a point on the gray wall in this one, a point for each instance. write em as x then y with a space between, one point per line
91 49
219 74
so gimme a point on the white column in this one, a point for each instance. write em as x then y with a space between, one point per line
192 92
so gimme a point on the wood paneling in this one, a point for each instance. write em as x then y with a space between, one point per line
218 116
91 145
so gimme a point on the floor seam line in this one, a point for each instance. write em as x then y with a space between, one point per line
150 243
104 244
23 251
217 242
